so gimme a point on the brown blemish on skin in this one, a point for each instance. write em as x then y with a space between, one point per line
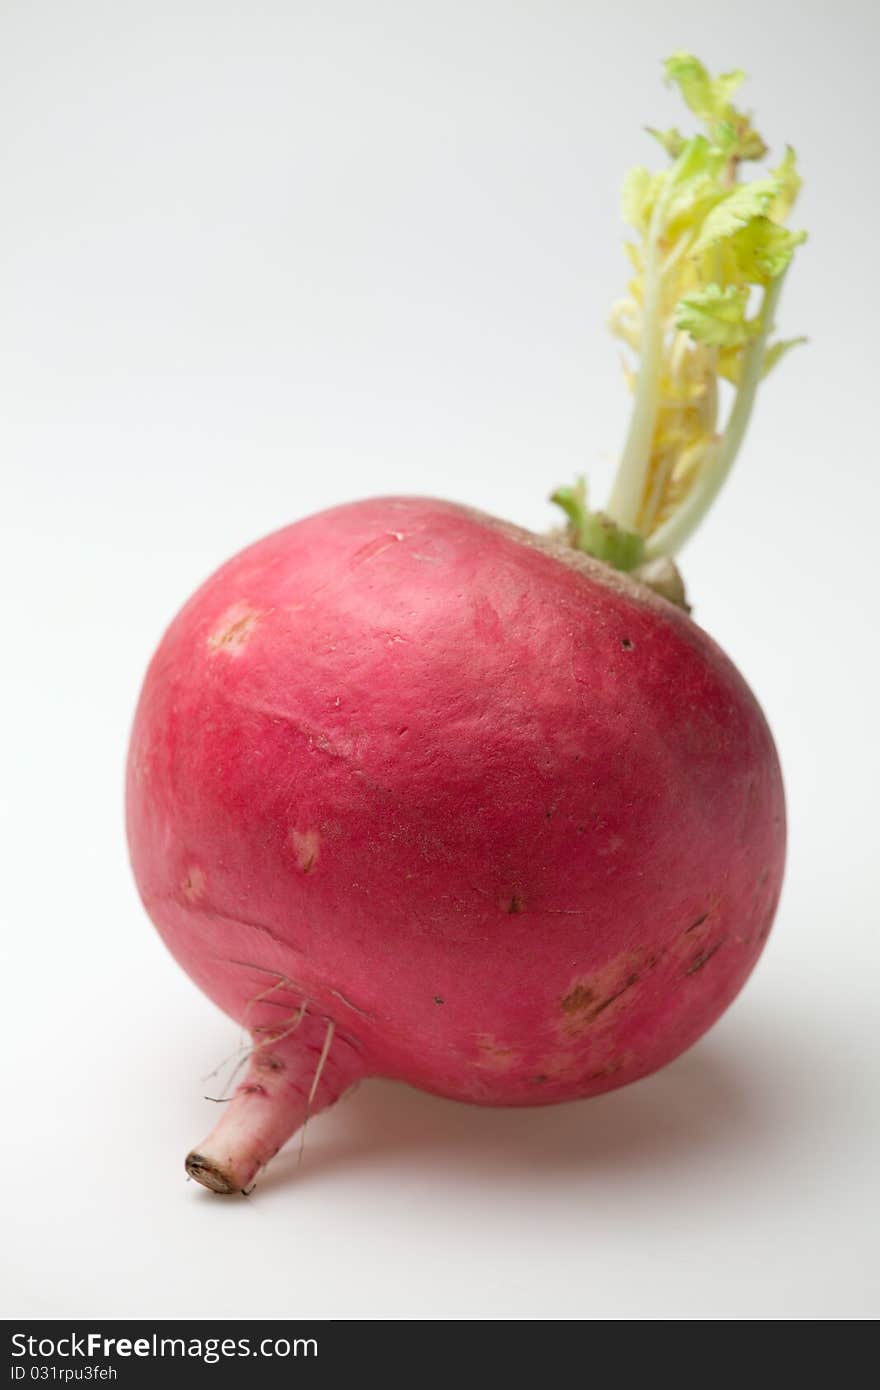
306 846
698 923
593 998
234 628
697 944
606 1003
556 1066
578 999
626 1059
494 1056
516 905
266 1061
703 958
437 999
627 644
193 885
604 1072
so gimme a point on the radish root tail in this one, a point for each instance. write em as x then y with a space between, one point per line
282 1089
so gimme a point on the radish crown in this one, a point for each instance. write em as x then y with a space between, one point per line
709 257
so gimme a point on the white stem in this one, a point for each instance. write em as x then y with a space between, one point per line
628 489
672 535
626 494
662 471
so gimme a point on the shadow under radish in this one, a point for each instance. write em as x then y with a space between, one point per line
704 1106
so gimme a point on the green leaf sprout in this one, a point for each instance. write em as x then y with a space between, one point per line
709 256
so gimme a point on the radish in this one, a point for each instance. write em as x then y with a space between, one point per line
415 793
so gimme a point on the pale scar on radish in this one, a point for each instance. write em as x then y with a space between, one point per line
193 885
495 1055
374 548
234 629
306 847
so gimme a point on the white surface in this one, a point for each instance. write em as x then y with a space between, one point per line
260 258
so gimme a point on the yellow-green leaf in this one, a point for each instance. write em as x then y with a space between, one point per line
673 141
776 351
762 250
708 98
716 316
737 208
730 359
789 182
637 197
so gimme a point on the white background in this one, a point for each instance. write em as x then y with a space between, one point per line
260 258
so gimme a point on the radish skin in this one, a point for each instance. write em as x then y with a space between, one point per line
494 818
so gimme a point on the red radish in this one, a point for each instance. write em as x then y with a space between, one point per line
415 793
506 822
